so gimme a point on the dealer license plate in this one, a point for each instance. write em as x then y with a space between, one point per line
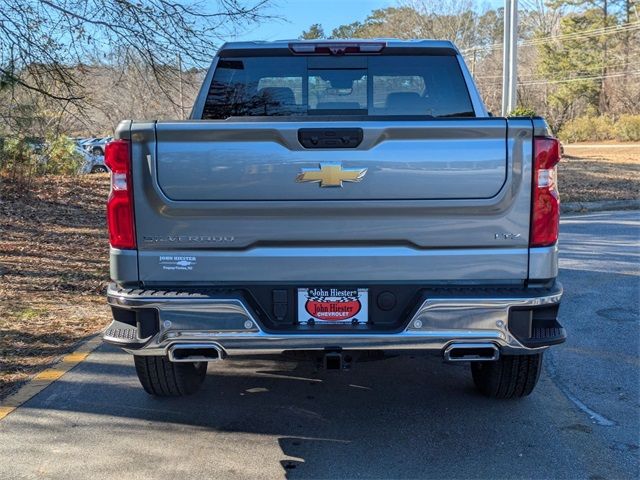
333 305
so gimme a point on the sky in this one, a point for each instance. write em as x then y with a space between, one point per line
298 15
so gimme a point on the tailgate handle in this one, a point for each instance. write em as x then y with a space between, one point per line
330 137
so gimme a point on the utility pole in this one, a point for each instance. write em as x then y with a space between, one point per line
473 63
506 55
603 102
510 57
513 60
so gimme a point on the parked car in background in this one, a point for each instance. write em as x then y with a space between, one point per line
79 141
91 163
95 146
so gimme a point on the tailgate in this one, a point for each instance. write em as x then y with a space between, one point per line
440 159
439 200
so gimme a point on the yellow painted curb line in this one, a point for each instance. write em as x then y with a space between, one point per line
45 378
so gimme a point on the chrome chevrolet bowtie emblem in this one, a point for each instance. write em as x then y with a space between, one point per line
331 175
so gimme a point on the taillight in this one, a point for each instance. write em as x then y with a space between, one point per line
545 220
120 204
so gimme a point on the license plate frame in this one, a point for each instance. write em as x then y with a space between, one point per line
333 305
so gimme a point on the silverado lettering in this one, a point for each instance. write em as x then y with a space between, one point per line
187 238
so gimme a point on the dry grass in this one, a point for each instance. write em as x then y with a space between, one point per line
589 173
53 271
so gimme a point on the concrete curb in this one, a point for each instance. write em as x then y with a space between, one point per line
45 378
601 206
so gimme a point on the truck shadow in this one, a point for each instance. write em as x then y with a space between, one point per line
400 417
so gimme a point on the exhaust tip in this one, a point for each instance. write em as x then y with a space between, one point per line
195 353
471 352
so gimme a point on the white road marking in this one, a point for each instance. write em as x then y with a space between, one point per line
593 415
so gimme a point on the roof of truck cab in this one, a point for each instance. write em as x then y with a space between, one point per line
391 43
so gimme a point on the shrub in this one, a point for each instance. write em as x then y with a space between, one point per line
627 128
23 157
61 156
521 111
17 157
584 129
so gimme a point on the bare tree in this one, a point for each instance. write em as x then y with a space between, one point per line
45 43
453 20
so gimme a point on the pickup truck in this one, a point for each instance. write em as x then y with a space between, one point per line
334 199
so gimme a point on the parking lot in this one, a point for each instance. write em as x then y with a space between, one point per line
401 417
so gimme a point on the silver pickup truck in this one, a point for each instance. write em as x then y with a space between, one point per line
335 199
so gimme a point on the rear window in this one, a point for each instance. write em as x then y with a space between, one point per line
380 85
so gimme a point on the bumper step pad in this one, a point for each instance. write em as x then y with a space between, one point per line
537 326
547 335
123 335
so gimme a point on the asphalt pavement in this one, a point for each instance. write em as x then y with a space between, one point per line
402 417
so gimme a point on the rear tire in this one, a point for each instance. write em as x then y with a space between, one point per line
512 376
163 378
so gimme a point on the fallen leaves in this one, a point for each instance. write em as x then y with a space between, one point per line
53 271
599 173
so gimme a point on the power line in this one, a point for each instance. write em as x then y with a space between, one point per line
587 33
568 36
572 36
628 27
528 5
593 67
577 79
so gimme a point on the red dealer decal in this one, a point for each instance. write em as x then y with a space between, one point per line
336 309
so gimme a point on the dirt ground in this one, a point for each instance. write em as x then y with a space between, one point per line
54 254
599 172
53 271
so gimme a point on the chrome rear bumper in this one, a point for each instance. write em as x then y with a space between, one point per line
229 324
